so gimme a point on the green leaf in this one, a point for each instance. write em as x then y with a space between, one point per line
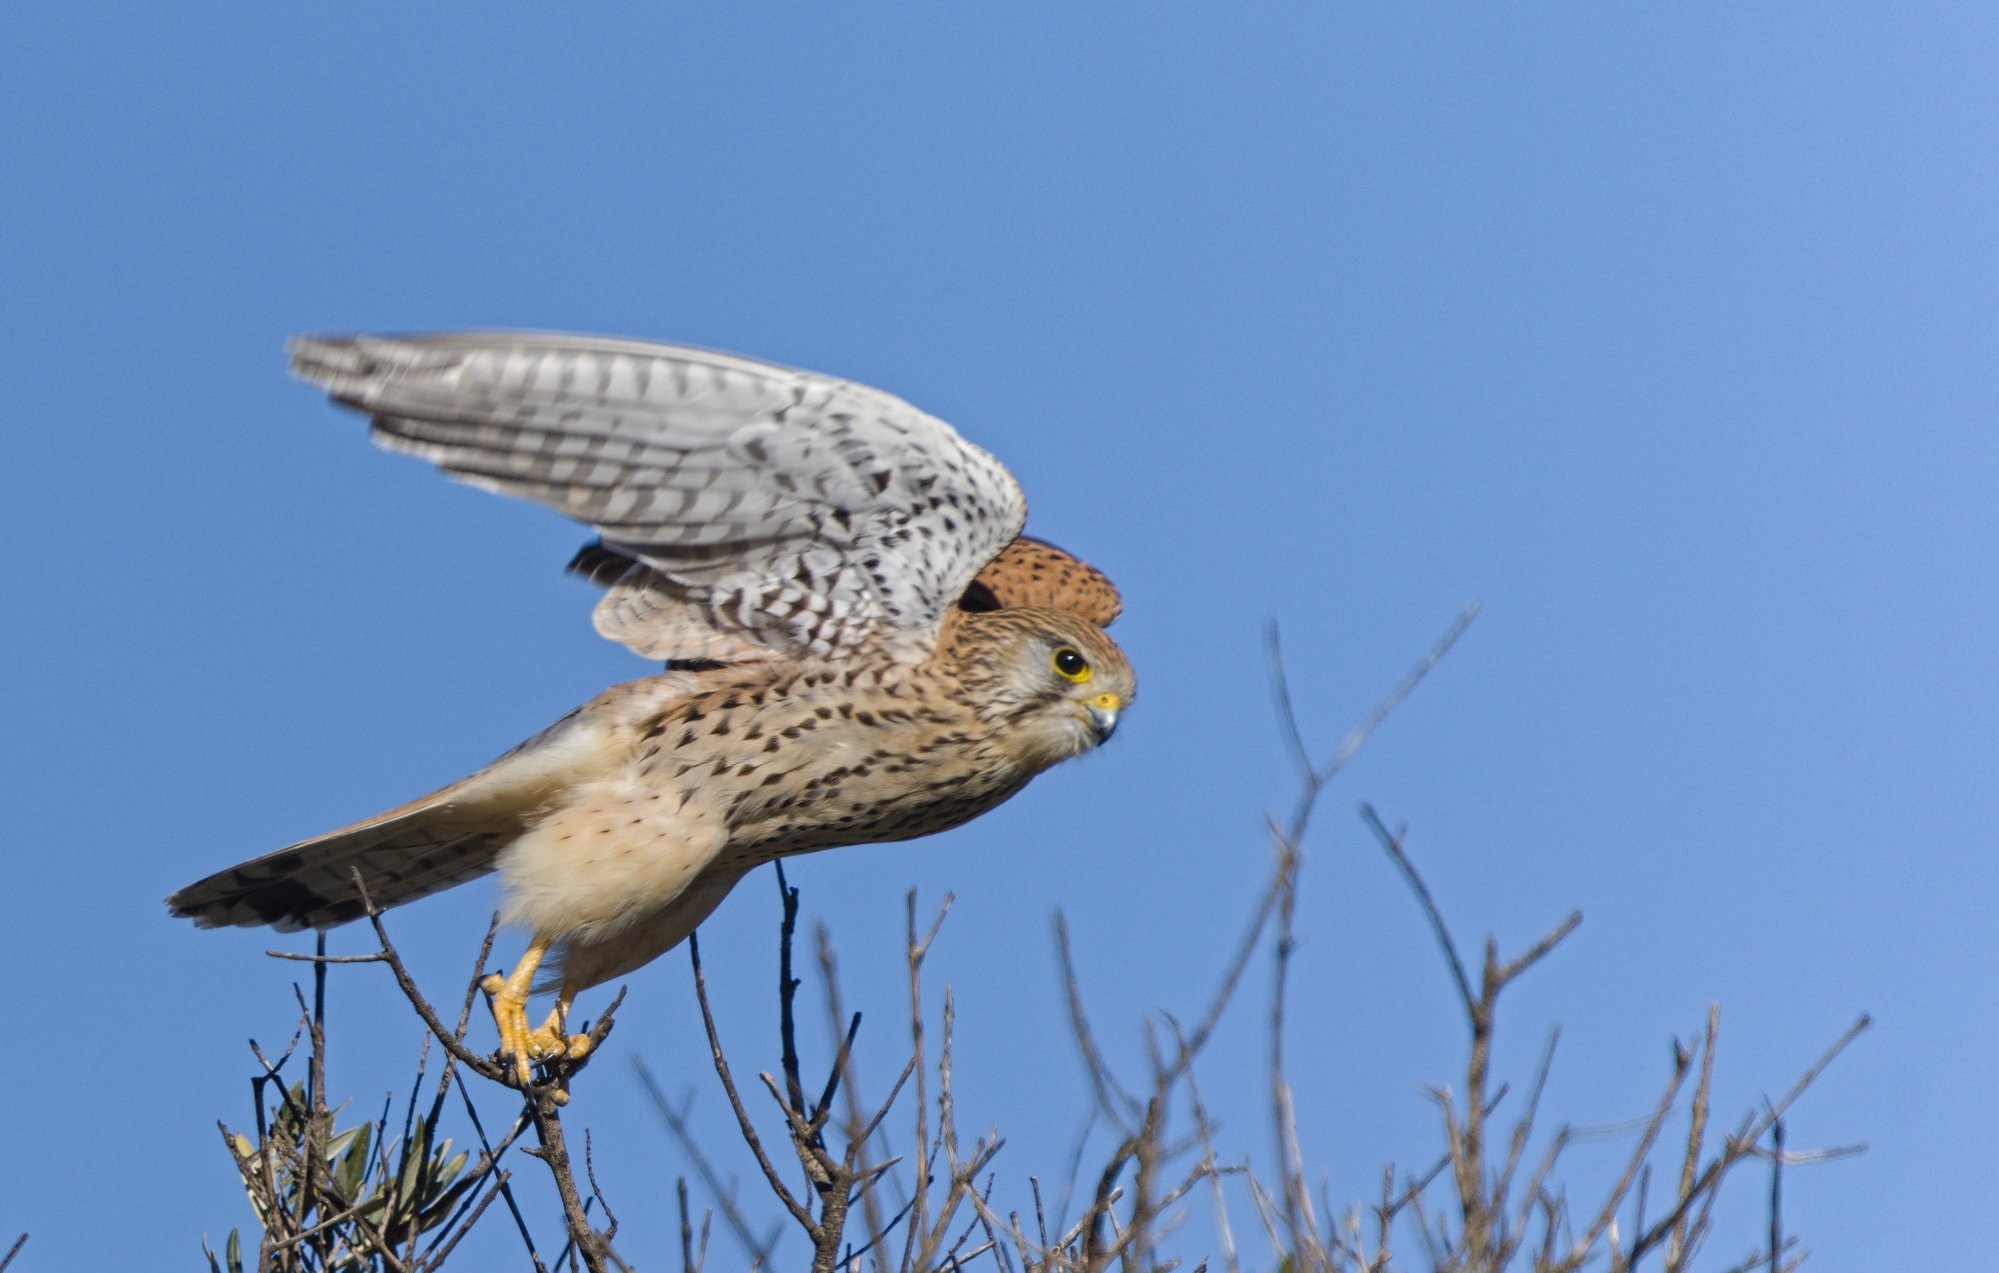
337 1142
449 1171
353 1169
440 1208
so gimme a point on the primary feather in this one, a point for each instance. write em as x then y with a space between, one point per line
765 509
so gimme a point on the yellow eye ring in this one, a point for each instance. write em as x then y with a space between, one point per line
1070 665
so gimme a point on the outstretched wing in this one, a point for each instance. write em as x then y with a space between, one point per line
766 510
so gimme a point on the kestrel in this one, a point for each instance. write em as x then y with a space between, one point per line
860 646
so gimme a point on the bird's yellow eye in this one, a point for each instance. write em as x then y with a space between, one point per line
1070 663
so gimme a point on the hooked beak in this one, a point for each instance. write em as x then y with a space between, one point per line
1102 713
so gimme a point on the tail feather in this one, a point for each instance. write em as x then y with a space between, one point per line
401 855
446 838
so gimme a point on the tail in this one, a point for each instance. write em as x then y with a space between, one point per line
402 855
446 838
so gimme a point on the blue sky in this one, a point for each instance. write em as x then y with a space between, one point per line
1667 334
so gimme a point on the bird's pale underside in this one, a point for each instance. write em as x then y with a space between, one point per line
860 645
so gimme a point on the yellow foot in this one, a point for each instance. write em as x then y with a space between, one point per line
509 1004
523 1046
548 1040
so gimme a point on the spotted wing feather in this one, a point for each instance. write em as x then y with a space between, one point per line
771 510
1027 572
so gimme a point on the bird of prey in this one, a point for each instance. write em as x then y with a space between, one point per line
859 644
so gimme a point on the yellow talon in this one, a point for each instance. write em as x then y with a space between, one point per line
551 1041
509 997
548 1040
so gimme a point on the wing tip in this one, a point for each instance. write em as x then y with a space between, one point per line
321 358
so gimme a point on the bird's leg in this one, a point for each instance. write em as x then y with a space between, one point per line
509 997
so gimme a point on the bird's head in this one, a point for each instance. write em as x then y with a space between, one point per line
1052 682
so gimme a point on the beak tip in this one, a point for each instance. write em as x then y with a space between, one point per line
1103 723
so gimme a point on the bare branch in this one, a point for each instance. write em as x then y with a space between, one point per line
1116 1103
452 1041
1313 778
676 1123
743 1124
1392 842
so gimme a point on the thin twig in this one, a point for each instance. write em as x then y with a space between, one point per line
374 957
1392 842
1313 778
1125 1108
492 1155
485 1067
676 1123
437 1255
1677 1249
858 1128
1776 1193
743 1124
1741 1145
